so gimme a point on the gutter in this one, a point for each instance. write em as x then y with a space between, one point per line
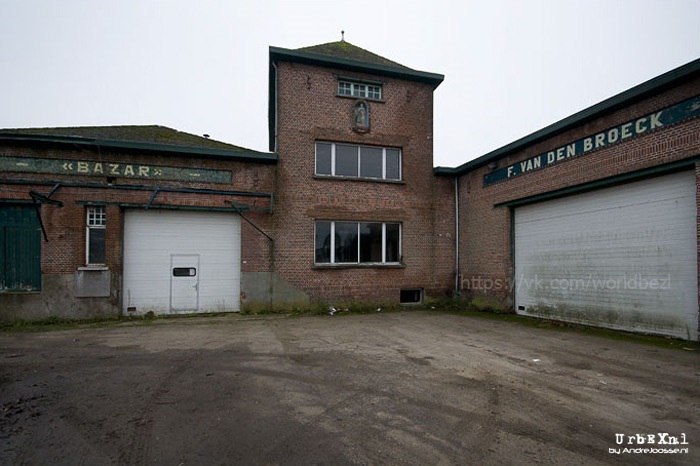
317 59
630 96
136 187
243 155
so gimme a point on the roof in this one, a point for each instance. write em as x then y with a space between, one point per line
152 138
340 55
346 56
624 99
342 49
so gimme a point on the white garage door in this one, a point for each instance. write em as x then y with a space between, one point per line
181 261
623 257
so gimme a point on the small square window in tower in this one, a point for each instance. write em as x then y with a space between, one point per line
361 90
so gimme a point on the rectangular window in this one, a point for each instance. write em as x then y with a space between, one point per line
371 163
392 239
374 92
371 242
346 160
345 248
354 161
95 235
184 272
357 243
323 242
361 90
344 88
393 164
323 159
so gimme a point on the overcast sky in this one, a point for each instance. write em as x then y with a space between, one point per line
201 66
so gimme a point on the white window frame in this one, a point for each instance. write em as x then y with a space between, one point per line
360 89
96 219
357 262
359 161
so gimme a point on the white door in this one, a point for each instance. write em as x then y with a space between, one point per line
158 241
623 257
184 282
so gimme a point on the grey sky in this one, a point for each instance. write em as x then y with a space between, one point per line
511 67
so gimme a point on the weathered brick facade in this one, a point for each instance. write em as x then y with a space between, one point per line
63 251
485 227
310 110
280 198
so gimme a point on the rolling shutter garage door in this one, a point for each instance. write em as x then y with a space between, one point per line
181 261
623 257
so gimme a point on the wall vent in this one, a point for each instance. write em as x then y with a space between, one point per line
411 296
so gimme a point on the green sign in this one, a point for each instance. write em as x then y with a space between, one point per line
654 121
112 169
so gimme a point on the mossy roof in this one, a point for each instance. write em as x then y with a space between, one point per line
343 49
139 137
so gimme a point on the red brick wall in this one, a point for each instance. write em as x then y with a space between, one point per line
485 230
697 205
65 226
256 248
309 110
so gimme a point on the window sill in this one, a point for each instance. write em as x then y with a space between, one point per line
357 178
93 268
372 265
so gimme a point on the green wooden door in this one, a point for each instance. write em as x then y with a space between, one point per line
20 249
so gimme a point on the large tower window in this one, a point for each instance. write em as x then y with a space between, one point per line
354 161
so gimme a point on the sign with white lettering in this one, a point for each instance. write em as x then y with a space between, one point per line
112 169
666 117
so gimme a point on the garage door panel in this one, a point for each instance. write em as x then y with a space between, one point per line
622 257
152 238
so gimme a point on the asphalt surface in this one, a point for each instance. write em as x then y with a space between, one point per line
399 388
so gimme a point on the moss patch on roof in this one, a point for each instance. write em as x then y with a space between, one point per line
343 49
151 134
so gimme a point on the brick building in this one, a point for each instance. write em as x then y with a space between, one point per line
592 219
100 221
361 210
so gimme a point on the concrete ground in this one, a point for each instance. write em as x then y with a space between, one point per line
399 388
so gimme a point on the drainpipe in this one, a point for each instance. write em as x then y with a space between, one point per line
271 277
274 66
457 290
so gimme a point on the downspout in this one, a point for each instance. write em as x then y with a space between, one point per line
457 290
274 66
271 276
